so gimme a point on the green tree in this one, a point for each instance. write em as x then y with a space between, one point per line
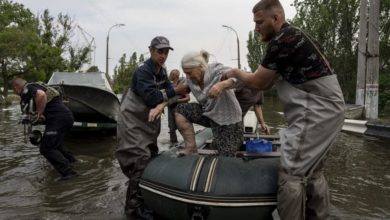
384 53
57 52
123 72
256 50
93 69
18 41
35 47
334 24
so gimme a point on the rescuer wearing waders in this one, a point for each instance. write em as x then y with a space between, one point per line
139 122
313 106
58 119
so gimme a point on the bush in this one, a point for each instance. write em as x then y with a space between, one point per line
384 93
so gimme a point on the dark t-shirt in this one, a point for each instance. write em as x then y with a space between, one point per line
293 56
248 97
54 108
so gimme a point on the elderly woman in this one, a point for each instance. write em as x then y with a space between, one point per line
217 106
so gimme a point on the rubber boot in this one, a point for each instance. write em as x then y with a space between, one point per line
187 131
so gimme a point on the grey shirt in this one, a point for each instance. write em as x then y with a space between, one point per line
224 109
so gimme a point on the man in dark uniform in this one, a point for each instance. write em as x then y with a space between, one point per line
58 119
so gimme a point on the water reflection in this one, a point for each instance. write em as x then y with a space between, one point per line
358 170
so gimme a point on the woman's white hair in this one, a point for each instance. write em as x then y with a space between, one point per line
194 59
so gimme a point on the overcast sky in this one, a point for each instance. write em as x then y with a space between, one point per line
188 24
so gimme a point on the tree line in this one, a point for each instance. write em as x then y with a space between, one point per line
36 46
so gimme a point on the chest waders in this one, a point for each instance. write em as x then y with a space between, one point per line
315 114
137 143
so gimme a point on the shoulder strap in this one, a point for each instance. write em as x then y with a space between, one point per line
50 91
321 54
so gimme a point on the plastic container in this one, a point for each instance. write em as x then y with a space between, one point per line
258 145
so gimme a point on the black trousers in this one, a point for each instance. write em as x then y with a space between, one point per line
52 143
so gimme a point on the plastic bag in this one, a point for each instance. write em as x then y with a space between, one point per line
258 145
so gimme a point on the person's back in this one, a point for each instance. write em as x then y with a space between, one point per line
248 97
54 106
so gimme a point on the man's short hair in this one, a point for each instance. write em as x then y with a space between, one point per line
266 5
18 81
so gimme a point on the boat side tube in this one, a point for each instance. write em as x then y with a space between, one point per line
211 187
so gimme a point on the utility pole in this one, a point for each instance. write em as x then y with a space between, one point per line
362 51
108 38
238 45
372 77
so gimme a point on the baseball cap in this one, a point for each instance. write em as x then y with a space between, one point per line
160 42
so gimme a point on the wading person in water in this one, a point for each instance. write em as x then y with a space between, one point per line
139 122
58 119
216 108
313 106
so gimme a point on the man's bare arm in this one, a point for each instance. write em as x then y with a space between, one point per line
262 79
40 99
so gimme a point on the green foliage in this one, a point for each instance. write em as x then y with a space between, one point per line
384 97
35 47
93 69
123 72
18 40
256 50
58 52
384 52
384 34
334 24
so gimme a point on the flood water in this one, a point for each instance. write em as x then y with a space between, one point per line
358 172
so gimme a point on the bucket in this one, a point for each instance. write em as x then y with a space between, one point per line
258 145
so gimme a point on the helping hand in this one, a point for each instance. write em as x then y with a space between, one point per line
181 89
265 128
228 74
155 113
37 118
